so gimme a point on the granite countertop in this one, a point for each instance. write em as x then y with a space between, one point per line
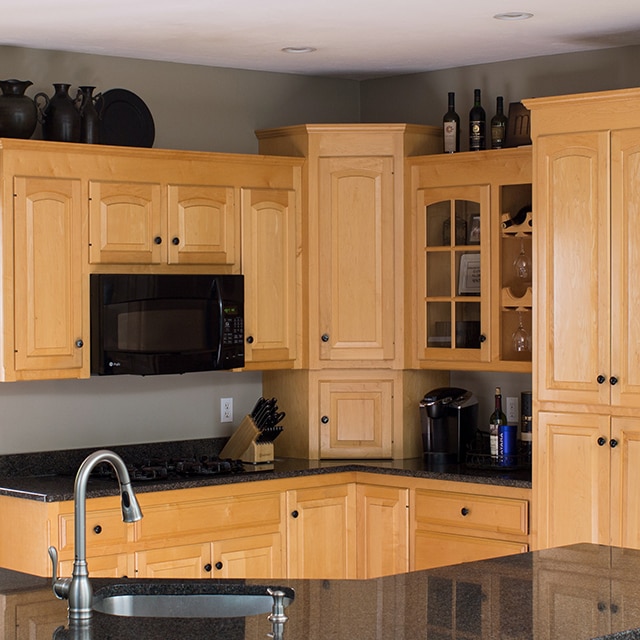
570 593
49 476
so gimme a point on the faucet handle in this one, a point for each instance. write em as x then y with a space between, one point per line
60 586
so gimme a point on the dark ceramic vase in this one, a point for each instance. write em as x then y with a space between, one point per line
60 116
18 113
89 115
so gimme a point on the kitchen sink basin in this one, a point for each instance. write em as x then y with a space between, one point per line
186 601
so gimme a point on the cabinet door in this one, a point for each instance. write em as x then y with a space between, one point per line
49 290
625 480
453 284
258 556
572 250
126 223
33 616
352 314
356 417
188 561
625 266
270 261
202 225
383 531
116 565
321 531
571 482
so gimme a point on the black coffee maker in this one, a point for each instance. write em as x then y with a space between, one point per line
449 419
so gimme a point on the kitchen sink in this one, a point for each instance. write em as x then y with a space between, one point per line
187 600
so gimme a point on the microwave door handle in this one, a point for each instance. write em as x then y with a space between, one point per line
217 298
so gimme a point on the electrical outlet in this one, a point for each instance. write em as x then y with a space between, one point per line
226 409
512 411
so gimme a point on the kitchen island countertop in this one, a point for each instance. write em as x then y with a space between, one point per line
574 593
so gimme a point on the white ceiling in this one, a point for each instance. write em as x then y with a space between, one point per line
353 38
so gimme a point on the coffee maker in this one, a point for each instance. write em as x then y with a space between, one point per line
449 420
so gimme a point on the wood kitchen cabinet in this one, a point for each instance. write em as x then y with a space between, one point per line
587 159
34 615
466 297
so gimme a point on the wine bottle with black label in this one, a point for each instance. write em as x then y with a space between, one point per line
498 125
496 420
477 121
451 127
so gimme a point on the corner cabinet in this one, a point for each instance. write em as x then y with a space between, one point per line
70 210
467 299
587 379
349 392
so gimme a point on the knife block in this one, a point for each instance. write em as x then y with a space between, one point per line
242 444
258 453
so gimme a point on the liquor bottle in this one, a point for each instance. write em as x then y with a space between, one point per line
477 120
451 127
498 125
496 419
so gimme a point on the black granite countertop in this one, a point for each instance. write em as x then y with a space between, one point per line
49 476
570 593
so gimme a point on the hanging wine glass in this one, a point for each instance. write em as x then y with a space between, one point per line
522 264
520 338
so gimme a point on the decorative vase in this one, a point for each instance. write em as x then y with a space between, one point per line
89 115
59 114
18 113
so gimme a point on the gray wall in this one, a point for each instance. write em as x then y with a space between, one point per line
214 109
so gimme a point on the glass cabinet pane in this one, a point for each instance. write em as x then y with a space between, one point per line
438 224
439 274
439 324
467 325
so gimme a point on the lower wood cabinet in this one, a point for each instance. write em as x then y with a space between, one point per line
31 616
335 525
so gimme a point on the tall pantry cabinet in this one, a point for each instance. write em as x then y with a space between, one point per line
352 396
587 365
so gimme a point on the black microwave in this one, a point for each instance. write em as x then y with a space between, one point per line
146 324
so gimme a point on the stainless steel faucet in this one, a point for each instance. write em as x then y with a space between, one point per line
77 589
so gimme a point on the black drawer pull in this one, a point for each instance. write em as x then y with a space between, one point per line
97 529
464 511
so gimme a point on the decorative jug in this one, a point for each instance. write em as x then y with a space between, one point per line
89 115
18 113
59 114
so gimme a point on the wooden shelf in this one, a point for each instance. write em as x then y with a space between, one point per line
508 299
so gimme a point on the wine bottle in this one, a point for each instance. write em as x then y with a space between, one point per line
451 127
498 125
477 120
496 419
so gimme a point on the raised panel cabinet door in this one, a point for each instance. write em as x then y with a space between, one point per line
33 616
270 264
353 279
383 530
321 532
117 565
625 480
572 248
202 225
625 266
571 483
259 556
356 418
126 223
49 293
453 274
187 561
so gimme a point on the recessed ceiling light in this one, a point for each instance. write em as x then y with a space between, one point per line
298 49
513 15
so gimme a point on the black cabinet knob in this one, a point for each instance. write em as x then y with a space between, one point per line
175 240
250 339
219 565
207 567
464 511
294 514
79 343
614 608
613 380
97 529
325 337
602 606
613 443
157 240
602 441
483 338
600 379
324 419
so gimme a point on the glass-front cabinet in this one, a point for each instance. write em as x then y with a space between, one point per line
469 268
452 235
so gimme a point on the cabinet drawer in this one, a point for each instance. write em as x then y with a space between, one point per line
105 530
483 513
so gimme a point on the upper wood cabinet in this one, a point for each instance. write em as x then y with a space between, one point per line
466 297
353 238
